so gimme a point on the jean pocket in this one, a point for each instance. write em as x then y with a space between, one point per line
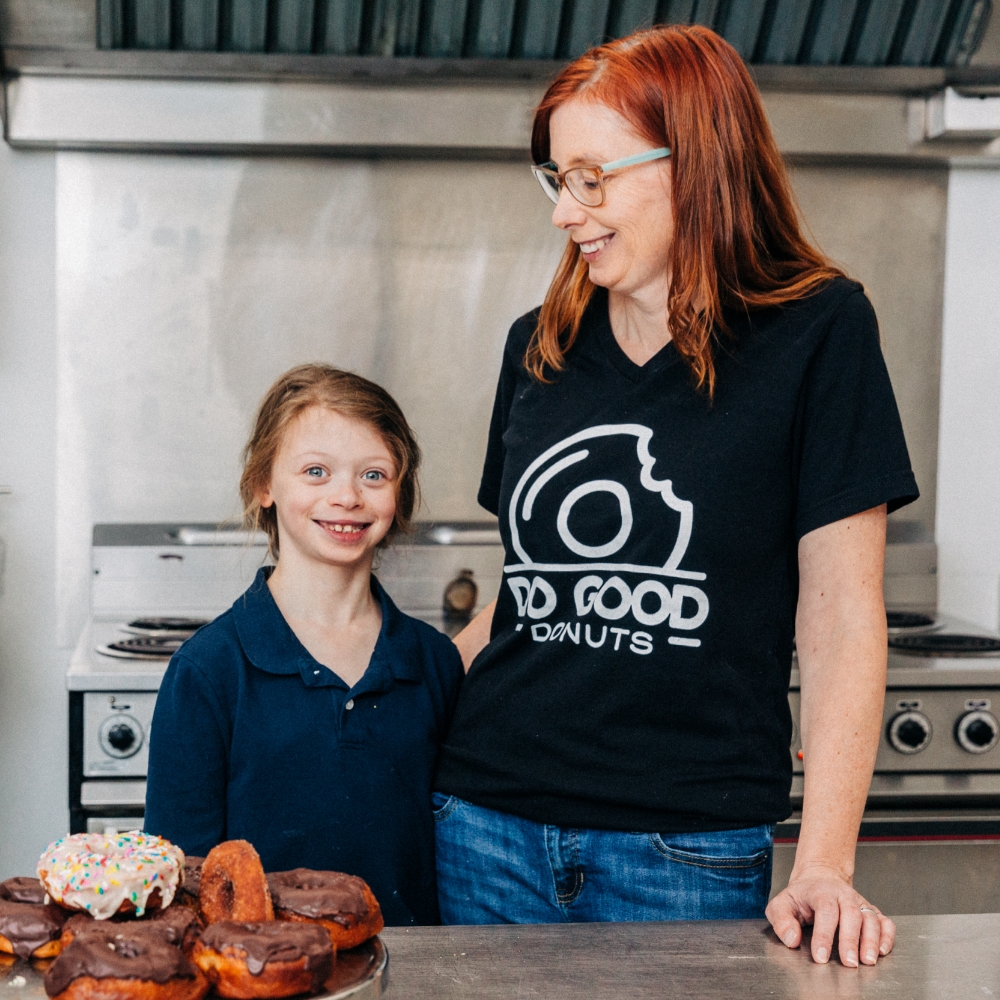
722 850
442 805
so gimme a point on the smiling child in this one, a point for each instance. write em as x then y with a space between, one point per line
307 718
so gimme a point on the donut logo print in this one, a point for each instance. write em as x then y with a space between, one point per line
599 542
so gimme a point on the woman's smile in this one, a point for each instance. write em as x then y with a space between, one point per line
592 248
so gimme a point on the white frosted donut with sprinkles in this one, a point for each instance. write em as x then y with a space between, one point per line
102 874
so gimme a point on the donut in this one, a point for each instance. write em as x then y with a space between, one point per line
187 893
124 961
23 889
271 959
29 928
177 925
343 904
107 874
233 885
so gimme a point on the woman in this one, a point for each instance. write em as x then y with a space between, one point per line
692 452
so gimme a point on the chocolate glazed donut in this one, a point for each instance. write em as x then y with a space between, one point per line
124 961
343 904
177 925
245 961
29 928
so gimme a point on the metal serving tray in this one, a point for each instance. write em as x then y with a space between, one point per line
359 974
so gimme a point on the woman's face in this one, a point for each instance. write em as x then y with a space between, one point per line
334 486
627 240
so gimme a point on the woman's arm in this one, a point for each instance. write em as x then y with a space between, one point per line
475 637
840 632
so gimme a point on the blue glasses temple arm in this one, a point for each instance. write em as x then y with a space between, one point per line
630 161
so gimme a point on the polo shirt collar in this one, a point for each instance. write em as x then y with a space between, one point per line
270 644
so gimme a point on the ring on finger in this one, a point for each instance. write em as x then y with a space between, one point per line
868 909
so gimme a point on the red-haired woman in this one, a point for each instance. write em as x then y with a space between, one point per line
692 453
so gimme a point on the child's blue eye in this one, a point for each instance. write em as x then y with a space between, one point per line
373 475
315 472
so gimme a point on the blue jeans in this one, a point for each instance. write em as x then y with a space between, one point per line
495 868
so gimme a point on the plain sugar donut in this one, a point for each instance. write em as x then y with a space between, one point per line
233 886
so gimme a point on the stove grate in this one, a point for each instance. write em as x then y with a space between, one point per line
936 644
142 648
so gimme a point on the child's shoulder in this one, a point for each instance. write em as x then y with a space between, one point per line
214 645
432 650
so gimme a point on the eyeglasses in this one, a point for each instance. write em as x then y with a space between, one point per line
586 183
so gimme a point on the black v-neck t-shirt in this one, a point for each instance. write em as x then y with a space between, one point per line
638 668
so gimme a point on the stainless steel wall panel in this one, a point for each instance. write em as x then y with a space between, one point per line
491 28
587 27
788 25
270 118
924 32
151 20
631 15
199 24
293 25
340 27
110 24
444 28
540 30
833 28
244 25
741 26
877 33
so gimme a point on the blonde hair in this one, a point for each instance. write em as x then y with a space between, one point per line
349 395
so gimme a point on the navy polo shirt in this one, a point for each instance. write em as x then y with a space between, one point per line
253 739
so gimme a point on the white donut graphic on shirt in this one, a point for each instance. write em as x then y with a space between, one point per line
556 471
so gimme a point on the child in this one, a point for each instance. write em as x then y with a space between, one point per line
307 718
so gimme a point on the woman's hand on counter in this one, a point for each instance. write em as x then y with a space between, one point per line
840 631
475 637
824 898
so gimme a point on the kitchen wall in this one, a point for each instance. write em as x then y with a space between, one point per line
33 808
186 285
886 227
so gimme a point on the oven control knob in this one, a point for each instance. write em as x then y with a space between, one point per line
910 732
977 732
121 736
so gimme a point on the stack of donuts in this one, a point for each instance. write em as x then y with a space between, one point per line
128 917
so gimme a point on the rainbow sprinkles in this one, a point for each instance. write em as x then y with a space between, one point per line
97 873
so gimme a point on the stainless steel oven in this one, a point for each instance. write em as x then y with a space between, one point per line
930 836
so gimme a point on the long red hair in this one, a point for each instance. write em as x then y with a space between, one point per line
737 240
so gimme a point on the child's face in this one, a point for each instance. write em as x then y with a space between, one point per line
334 486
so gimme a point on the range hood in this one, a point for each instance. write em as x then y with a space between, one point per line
843 80
812 32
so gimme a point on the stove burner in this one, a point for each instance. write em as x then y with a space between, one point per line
936 644
165 628
907 619
171 624
142 648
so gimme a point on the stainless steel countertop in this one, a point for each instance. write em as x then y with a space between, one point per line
939 957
